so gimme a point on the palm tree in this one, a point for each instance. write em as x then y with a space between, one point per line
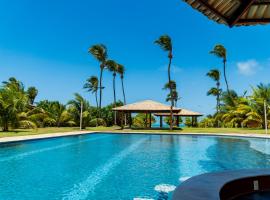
112 66
13 102
75 109
121 72
175 95
99 51
165 43
221 52
32 93
92 86
215 91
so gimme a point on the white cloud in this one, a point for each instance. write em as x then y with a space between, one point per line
248 67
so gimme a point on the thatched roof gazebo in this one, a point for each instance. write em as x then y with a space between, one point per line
234 12
148 107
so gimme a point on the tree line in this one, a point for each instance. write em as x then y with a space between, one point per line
19 110
232 109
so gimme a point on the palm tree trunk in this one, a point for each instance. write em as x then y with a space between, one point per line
123 90
124 95
114 97
100 89
5 125
169 77
225 77
97 107
96 99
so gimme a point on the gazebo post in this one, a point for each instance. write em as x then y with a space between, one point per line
193 122
150 124
160 121
146 116
130 120
122 118
177 120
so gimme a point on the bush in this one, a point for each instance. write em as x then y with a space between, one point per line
97 122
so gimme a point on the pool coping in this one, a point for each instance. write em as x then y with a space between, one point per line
208 186
42 136
74 133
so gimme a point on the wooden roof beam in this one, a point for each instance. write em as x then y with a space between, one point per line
240 11
213 10
252 21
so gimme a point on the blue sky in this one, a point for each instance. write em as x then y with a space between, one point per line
44 43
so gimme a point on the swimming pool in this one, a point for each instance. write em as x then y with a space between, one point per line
119 166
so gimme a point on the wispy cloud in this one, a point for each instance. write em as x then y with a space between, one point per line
174 69
249 67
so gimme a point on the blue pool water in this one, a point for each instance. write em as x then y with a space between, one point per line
119 167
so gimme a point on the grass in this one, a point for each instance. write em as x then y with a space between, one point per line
21 132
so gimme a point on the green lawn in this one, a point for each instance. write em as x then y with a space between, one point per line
20 132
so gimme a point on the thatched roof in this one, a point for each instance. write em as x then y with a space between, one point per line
146 106
183 113
234 12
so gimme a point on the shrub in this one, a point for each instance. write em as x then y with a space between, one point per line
97 122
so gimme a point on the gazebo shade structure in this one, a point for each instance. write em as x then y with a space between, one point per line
147 106
234 12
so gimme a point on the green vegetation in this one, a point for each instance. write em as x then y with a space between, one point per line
18 110
233 110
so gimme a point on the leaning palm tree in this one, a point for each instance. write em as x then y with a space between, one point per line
121 72
92 86
99 51
221 52
165 43
112 66
215 91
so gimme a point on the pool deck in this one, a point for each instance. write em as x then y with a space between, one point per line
42 136
74 133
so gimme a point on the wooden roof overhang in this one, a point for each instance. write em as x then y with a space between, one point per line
234 12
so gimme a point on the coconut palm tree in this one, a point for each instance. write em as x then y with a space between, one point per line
13 102
32 93
121 72
165 43
99 51
175 95
92 86
74 108
112 66
215 91
221 52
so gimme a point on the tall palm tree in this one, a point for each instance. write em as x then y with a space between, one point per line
121 72
221 52
92 86
112 66
165 43
215 91
99 51
32 93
